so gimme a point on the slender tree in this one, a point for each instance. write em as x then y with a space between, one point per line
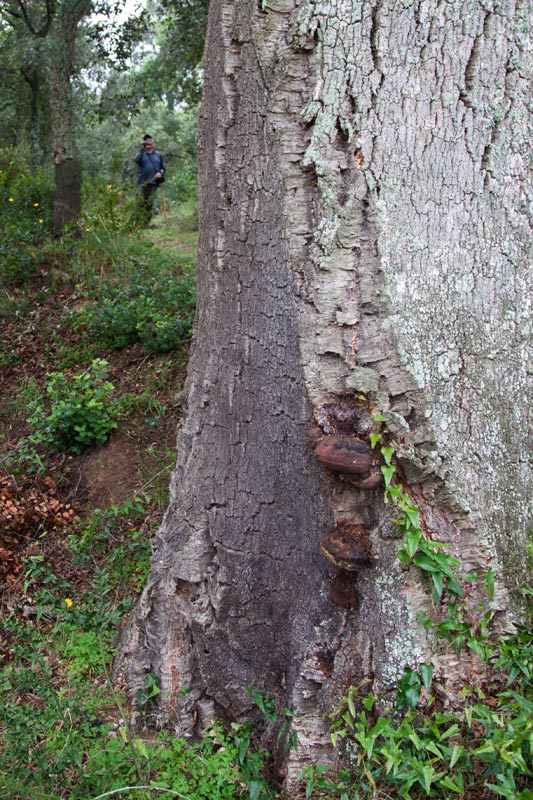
55 22
24 51
52 30
366 229
67 195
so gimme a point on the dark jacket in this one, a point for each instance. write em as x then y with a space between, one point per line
147 166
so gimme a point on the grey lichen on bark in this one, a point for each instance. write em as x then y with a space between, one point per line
365 233
421 287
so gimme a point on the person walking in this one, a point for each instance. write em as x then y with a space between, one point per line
150 173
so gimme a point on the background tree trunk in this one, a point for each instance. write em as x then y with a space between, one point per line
365 236
67 194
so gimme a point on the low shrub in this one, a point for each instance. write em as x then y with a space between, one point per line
26 197
108 206
77 412
157 310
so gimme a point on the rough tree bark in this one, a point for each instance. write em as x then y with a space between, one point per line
67 194
366 224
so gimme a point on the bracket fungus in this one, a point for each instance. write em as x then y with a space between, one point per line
345 454
351 457
347 546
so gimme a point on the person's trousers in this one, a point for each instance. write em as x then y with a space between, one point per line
148 191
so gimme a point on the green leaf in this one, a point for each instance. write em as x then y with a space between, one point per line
432 747
480 648
409 688
451 731
141 748
484 750
412 541
426 562
428 773
388 472
395 491
437 580
453 586
456 752
413 516
447 783
426 672
415 739
425 620
379 417
489 581
255 789
374 439
387 453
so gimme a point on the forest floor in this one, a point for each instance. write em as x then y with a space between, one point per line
75 527
139 454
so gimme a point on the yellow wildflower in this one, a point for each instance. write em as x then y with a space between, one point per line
36 205
41 221
11 200
68 601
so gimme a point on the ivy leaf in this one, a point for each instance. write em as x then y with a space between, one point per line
428 774
426 671
395 491
412 540
425 620
487 749
374 439
409 689
413 516
455 587
426 562
387 453
449 784
489 581
388 472
456 752
481 649
437 579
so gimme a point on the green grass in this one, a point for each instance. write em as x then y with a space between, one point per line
61 733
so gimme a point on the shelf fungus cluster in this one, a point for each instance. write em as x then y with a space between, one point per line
347 547
352 458
340 443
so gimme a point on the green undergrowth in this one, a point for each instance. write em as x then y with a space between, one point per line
63 728
71 311
63 725
25 217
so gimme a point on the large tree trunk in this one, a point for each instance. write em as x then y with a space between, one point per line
365 189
